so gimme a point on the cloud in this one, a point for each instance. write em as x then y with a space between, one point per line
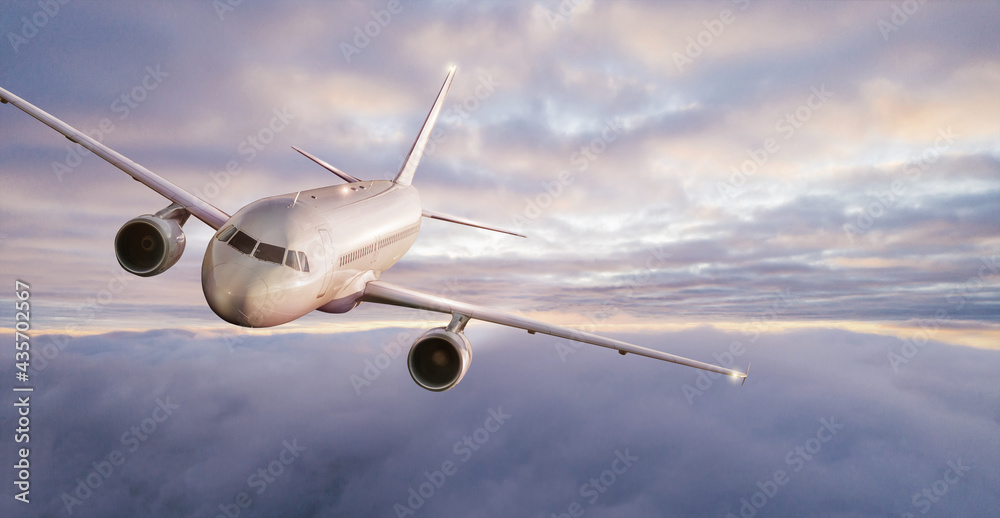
658 228
699 445
845 259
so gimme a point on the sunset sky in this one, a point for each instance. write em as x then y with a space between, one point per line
817 180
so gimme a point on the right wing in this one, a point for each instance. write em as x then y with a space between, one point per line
200 208
385 293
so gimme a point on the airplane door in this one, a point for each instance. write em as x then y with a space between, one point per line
328 259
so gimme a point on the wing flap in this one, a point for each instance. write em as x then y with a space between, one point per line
198 207
385 293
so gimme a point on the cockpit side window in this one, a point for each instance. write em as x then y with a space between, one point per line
292 260
303 262
269 253
242 242
227 233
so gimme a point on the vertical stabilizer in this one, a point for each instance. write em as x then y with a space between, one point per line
405 175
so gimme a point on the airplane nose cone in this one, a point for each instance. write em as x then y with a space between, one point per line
236 293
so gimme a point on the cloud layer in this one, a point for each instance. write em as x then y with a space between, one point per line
698 445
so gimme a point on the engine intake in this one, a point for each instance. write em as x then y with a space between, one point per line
439 359
149 245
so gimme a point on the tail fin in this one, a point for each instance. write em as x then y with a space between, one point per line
405 175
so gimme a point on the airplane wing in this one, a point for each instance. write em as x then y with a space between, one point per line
385 293
200 208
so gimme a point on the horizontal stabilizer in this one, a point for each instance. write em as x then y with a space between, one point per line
463 221
347 178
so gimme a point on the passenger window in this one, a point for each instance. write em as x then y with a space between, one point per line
227 233
303 262
242 242
269 253
292 260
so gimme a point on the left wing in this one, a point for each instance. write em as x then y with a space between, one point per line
385 293
200 208
468 222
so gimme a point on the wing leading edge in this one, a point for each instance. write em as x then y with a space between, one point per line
385 293
200 208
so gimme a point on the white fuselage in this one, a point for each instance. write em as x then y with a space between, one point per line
340 238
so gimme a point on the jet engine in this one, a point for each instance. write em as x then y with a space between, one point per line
439 359
150 244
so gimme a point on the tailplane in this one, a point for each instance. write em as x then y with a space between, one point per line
346 177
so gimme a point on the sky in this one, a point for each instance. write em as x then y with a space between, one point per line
817 182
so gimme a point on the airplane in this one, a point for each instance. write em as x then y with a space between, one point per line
282 257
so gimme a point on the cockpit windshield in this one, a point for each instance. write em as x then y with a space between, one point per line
269 253
247 245
243 242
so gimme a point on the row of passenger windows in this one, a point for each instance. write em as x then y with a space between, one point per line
354 255
265 252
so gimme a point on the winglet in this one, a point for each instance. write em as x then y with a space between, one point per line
405 176
746 374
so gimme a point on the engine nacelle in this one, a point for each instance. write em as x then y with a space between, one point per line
439 359
149 245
